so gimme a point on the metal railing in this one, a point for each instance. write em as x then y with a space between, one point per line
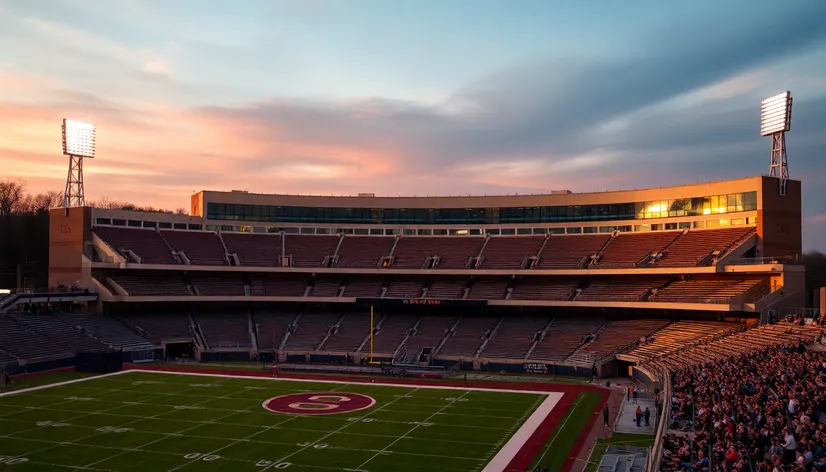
761 260
655 456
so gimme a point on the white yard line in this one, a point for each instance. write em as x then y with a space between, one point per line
505 455
377 384
414 428
497 464
317 441
235 412
558 429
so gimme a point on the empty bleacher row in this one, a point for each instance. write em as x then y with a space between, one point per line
578 340
730 344
697 289
685 248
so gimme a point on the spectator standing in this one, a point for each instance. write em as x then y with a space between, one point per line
605 414
647 415
639 416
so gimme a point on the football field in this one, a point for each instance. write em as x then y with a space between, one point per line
142 421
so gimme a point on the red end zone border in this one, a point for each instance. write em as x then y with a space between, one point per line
527 453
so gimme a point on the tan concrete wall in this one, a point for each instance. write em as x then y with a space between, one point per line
483 201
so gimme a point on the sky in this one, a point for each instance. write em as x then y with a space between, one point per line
425 97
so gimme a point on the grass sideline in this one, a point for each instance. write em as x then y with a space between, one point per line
566 437
153 421
618 439
243 366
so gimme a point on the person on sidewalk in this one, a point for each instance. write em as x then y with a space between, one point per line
635 394
639 416
605 414
647 415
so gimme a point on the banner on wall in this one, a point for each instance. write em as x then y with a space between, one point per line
536 368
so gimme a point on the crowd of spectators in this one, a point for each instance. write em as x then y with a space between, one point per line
764 411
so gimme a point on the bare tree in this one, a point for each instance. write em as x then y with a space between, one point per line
11 193
40 203
181 211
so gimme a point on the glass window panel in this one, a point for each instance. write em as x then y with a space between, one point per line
439 232
750 201
409 232
523 231
732 202
590 229
493 231
376 231
508 231
557 231
150 224
164 225
424 232
322 231
573 230
307 230
475 231
540 230
684 225
389 231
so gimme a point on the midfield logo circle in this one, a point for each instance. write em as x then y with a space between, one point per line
318 403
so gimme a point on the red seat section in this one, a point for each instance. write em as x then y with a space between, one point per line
564 336
404 289
445 289
364 252
469 335
271 327
568 252
254 250
227 285
367 287
201 248
454 251
278 285
311 329
326 287
616 335
145 243
702 290
352 331
626 250
504 252
392 330
695 247
160 284
489 288
514 336
618 289
310 250
541 288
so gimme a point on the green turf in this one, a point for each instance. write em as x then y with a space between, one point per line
618 439
142 421
45 379
563 440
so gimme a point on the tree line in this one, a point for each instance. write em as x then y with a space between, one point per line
24 231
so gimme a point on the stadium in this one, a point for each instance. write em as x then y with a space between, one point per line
473 333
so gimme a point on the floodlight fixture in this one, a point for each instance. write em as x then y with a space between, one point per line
78 142
776 114
78 138
775 120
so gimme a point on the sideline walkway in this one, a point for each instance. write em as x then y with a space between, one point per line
627 421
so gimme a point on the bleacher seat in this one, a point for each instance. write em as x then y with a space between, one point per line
311 329
225 329
706 290
364 252
695 247
310 250
228 285
161 326
353 330
510 252
618 289
563 337
627 250
156 284
200 247
254 250
392 331
145 243
468 336
542 288
454 251
278 285
515 336
568 251
488 288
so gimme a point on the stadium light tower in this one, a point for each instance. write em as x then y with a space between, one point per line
775 120
78 142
